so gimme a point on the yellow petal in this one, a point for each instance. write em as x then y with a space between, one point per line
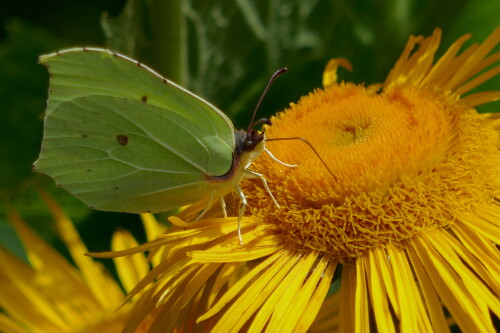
198 280
53 274
347 299
481 98
277 306
306 305
224 253
469 64
451 290
122 253
378 293
362 322
387 275
485 252
272 264
413 313
151 226
328 318
21 296
330 72
165 268
486 267
131 269
439 70
478 80
222 278
256 293
102 285
487 228
484 298
153 229
434 307
10 326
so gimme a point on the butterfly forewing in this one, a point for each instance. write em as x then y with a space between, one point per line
120 137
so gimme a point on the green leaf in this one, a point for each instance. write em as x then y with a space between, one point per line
127 33
234 46
151 31
23 89
10 241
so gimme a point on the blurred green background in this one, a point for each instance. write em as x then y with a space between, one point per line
222 50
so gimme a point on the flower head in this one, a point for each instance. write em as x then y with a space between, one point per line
404 158
409 217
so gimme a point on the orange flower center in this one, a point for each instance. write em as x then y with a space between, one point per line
394 157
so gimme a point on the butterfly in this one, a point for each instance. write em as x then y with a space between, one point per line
120 137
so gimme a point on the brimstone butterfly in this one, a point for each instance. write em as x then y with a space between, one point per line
122 138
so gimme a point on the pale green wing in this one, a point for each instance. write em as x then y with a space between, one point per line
82 72
121 138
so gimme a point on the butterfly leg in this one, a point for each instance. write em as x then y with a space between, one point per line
209 204
223 205
253 174
241 210
280 162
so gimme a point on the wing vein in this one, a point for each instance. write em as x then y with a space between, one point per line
161 143
142 194
120 161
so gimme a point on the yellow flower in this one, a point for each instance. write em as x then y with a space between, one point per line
51 295
409 220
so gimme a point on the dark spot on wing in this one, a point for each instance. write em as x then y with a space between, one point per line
85 135
85 49
116 188
122 140
88 170
164 80
139 64
144 98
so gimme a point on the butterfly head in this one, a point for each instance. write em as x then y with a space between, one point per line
248 141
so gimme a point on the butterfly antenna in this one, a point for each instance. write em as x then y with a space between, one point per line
310 146
262 121
264 93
